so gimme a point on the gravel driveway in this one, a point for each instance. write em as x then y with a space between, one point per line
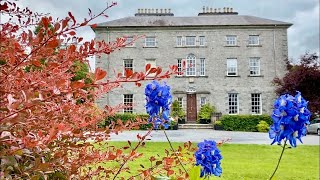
197 135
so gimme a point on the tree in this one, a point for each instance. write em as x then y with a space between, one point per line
44 132
303 77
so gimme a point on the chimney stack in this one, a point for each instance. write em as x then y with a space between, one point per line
217 11
154 12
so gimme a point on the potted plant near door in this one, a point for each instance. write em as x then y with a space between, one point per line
204 116
177 112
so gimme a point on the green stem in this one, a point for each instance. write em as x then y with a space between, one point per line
283 148
174 151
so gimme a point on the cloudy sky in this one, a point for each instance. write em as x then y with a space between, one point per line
303 36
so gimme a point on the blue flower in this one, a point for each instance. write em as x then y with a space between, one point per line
208 157
158 104
290 117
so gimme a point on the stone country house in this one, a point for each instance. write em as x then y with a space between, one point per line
231 59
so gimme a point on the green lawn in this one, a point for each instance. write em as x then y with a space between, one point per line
250 161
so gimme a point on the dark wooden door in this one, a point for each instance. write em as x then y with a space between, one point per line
191 107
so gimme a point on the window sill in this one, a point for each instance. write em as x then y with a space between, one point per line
191 76
232 76
255 75
258 45
131 47
150 47
231 46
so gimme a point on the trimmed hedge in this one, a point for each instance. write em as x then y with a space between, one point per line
126 117
244 122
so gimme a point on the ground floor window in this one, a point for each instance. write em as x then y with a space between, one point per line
128 102
256 103
202 101
233 103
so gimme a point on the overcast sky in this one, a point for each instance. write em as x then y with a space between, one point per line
303 36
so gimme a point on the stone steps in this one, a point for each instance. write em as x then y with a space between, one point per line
195 126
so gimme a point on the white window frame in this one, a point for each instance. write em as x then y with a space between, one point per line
232 68
179 41
254 66
202 40
125 63
129 39
179 64
254 40
203 101
153 64
256 104
180 101
190 41
127 99
233 103
191 61
231 40
202 66
150 41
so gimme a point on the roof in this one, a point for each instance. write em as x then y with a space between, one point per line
171 21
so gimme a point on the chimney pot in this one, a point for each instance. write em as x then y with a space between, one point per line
165 11
138 10
215 10
219 10
227 9
169 10
231 9
203 9
224 9
156 10
145 10
152 10
207 9
161 11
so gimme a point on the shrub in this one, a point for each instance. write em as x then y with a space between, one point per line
176 110
244 122
263 126
127 117
206 112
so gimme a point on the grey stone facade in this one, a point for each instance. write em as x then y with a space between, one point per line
215 85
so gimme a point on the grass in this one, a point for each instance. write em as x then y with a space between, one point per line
248 161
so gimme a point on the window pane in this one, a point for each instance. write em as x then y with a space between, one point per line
179 40
129 42
254 64
127 64
180 101
201 40
202 67
253 40
150 42
190 41
202 101
179 64
128 102
233 103
231 40
191 65
256 103
231 67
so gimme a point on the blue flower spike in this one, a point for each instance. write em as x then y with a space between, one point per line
208 157
290 118
159 100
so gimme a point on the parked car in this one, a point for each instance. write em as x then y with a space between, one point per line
314 126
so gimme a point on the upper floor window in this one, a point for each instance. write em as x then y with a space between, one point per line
179 41
256 103
202 40
179 64
254 64
231 40
191 65
233 103
153 64
128 102
232 67
150 42
190 40
203 101
127 64
253 39
129 42
202 67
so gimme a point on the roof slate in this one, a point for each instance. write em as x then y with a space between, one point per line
213 20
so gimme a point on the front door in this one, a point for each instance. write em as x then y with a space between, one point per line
191 107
